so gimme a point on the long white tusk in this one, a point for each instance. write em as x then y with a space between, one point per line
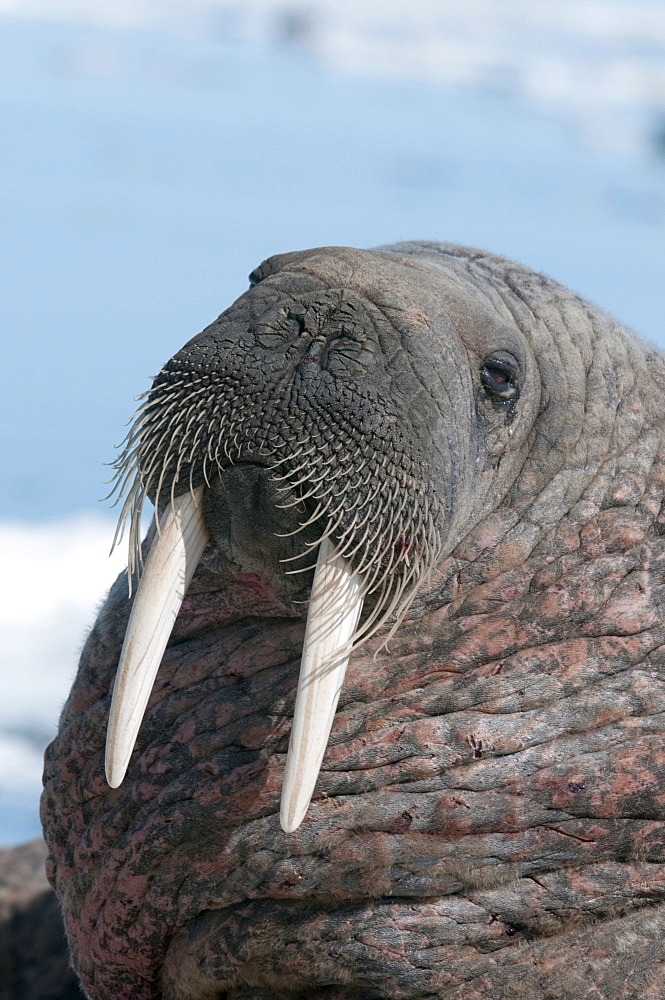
337 598
173 557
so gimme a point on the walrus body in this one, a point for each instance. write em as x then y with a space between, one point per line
489 820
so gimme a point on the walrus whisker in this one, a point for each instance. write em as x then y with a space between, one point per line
324 468
325 476
119 488
290 457
399 607
292 485
363 539
302 524
310 546
382 613
357 485
364 566
331 528
340 538
292 472
289 506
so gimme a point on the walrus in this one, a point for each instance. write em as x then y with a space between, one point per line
428 482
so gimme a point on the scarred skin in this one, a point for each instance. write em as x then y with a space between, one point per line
489 821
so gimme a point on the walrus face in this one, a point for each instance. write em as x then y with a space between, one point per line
352 404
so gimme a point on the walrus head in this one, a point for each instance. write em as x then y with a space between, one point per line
322 413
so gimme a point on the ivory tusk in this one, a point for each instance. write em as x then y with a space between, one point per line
173 558
337 599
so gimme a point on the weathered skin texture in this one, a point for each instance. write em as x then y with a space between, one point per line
489 821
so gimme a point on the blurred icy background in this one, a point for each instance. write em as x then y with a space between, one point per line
153 153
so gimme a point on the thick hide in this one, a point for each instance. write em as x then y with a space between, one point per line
489 819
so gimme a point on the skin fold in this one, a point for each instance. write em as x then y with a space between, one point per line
489 819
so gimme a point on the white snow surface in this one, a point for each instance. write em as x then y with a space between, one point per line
55 576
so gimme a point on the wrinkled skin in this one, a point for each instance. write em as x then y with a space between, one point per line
489 821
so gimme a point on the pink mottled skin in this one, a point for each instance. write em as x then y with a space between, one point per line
489 821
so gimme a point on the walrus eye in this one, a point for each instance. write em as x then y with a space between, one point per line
499 374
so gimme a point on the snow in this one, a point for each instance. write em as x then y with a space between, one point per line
55 576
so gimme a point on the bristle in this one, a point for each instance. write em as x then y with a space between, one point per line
190 425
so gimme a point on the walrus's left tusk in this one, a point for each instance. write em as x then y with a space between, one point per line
173 557
337 599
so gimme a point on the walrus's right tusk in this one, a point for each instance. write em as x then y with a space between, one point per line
173 557
337 599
